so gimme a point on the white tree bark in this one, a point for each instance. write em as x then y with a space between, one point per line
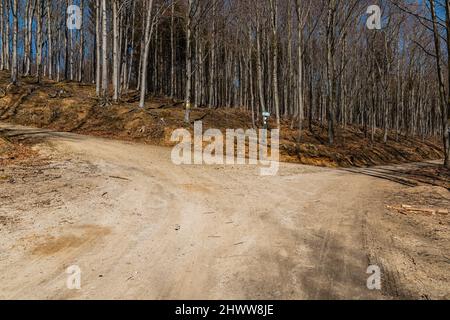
6 39
104 50
39 39
15 66
300 68
274 19
330 68
81 48
187 98
2 52
98 47
172 50
147 39
130 62
28 39
50 39
116 60
259 64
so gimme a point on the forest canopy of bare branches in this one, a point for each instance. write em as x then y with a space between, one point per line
310 61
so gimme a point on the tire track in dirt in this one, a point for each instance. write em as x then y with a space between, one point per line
209 232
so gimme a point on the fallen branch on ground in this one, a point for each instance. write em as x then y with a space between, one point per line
407 209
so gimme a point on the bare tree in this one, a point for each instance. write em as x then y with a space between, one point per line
81 45
50 38
187 98
116 59
15 64
98 45
274 20
39 38
147 38
104 50
302 15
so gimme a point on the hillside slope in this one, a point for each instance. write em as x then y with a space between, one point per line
73 107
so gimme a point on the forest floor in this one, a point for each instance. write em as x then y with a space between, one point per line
73 107
141 227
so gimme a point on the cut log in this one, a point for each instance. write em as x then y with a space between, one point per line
405 209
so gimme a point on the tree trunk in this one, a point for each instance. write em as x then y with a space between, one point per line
276 97
104 51
300 70
28 39
66 44
172 51
2 22
330 69
15 66
130 62
116 60
50 39
443 99
446 107
7 37
187 97
262 104
147 39
98 46
212 63
81 49
39 16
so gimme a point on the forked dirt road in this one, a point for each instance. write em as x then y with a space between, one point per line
140 227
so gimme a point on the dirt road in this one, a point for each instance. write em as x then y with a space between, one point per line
140 227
